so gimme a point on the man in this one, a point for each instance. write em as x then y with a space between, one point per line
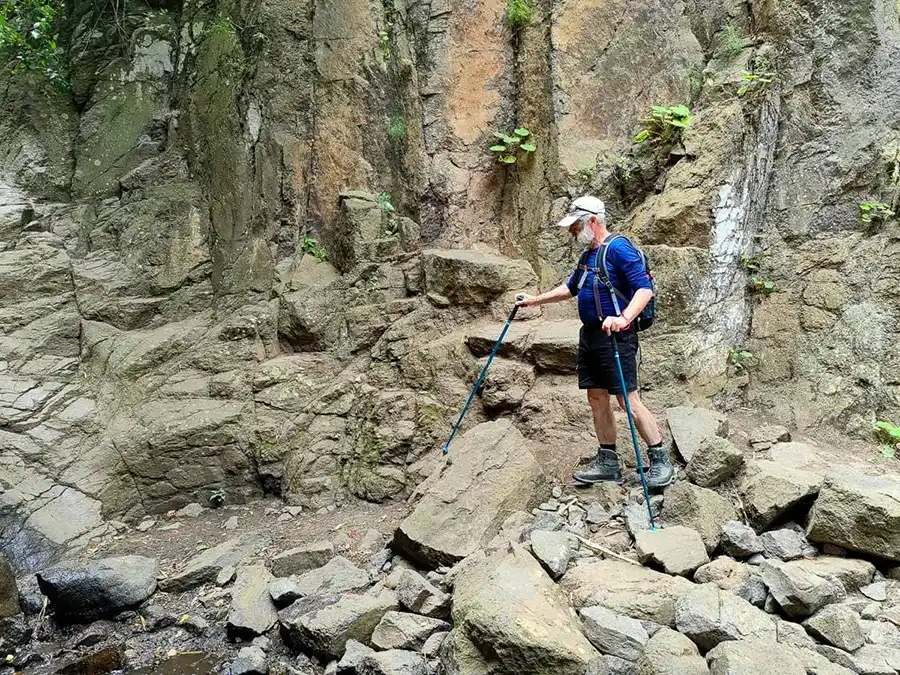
597 371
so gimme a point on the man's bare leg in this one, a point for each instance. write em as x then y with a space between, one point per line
604 420
606 466
643 418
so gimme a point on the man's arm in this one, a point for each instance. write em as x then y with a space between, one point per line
558 294
638 302
630 263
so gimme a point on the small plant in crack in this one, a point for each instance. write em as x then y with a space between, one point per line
731 41
217 497
311 247
510 147
519 13
741 359
397 127
390 223
872 212
664 125
762 286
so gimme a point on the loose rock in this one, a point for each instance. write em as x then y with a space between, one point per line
205 567
284 591
418 595
677 550
802 587
691 426
786 545
252 611
553 551
724 572
876 591
837 626
96 589
302 559
9 592
739 540
338 575
613 634
708 615
671 653
771 489
700 509
715 461
399 630
250 661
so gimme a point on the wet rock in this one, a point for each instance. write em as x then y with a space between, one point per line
252 612
469 277
400 630
786 545
302 559
739 540
157 618
30 597
553 551
508 614
9 591
420 596
284 591
691 426
465 503
802 587
715 461
107 660
193 624
677 550
724 572
629 590
700 509
709 615
393 662
205 566
837 626
250 661
846 508
338 575
612 634
671 653
324 630
771 489
96 589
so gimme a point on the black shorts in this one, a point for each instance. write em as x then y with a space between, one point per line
597 360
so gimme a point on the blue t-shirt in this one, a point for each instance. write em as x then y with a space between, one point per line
626 271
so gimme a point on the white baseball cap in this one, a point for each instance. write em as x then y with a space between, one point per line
581 207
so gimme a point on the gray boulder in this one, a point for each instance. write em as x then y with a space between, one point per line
671 653
509 616
469 277
700 509
250 661
677 550
750 657
802 587
846 509
338 575
837 626
465 502
754 590
724 572
302 559
204 567
553 551
284 591
626 589
786 545
393 662
351 661
420 596
323 630
252 612
771 489
793 635
708 615
691 426
97 589
612 634
400 630
715 461
739 540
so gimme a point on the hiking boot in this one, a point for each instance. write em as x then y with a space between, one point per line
604 468
661 471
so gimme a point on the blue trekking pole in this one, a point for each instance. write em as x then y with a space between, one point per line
465 409
634 439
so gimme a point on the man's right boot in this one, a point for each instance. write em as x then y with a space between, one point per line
604 468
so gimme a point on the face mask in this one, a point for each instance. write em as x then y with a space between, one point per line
586 236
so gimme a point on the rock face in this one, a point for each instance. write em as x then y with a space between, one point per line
625 589
692 426
708 615
507 611
473 277
98 589
464 504
677 550
700 509
252 612
846 509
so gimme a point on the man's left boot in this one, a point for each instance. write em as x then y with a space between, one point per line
661 471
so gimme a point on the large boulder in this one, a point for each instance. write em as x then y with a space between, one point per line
509 617
700 509
690 427
252 612
837 626
677 549
97 589
468 277
671 653
302 558
554 346
625 589
204 567
465 501
9 592
613 634
802 587
861 513
750 657
716 460
708 615
771 489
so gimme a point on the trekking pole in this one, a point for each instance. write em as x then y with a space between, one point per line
465 409
637 451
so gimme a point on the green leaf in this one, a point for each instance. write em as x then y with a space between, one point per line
681 110
522 131
497 134
508 159
527 147
510 140
498 148
769 285
888 450
641 137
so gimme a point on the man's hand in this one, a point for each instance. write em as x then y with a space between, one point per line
614 324
524 300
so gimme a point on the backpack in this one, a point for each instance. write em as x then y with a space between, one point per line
648 315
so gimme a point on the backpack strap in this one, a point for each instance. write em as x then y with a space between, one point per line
601 272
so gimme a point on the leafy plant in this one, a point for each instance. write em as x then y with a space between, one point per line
664 124
741 358
887 432
759 285
750 263
519 13
509 146
391 224
312 247
384 201
29 36
754 82
217 497
871 211
397 127
731 41
585 173
384 41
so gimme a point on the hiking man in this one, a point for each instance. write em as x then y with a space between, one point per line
597 371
